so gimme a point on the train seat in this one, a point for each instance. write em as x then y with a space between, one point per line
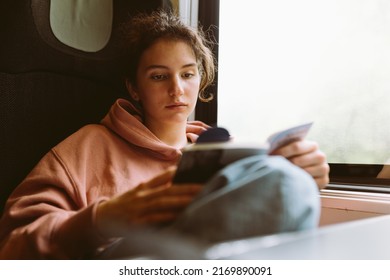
58 71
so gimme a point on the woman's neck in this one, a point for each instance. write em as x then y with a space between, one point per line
171 134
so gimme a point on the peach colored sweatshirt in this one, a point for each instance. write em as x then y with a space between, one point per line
51 214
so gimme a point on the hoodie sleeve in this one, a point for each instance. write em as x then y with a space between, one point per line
46 217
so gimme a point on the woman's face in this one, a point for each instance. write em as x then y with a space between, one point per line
167 82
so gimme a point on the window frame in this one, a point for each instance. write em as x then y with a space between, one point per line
208 17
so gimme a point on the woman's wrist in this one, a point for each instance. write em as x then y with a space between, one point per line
102 222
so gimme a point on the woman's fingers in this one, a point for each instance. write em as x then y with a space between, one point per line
307 156
296 148
153 202
160 180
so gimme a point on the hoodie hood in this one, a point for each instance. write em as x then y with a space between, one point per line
126 121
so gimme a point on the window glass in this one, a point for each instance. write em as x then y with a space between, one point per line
283 63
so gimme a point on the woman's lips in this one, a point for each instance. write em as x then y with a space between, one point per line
176 105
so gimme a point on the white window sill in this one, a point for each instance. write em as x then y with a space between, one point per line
341 206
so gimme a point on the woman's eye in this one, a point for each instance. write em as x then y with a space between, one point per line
188 75
158 77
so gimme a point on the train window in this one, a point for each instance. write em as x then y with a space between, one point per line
283 63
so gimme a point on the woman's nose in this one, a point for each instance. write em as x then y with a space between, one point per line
176 87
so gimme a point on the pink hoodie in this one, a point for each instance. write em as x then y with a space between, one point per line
51 214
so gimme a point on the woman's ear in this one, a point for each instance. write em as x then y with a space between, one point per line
131 91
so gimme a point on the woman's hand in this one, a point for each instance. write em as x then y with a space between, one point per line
194 129
307 155
154 202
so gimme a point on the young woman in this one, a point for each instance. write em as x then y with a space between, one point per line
106 178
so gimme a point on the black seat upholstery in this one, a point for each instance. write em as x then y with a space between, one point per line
47 89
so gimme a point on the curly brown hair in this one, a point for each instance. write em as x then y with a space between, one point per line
142 30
